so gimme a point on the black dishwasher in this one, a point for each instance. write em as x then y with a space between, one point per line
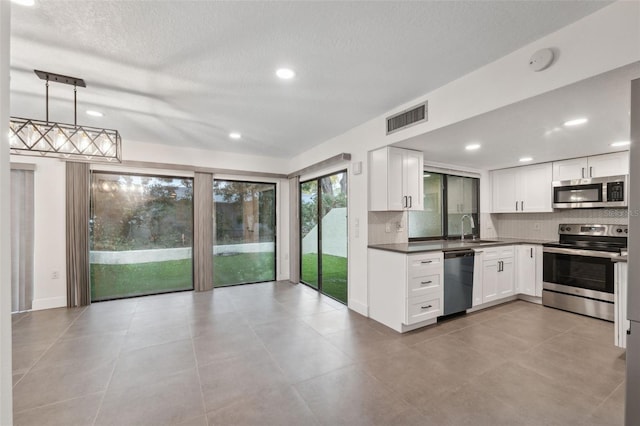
458 281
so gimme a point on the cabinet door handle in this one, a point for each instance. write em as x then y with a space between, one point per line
425 282
583 172
426 307
532 252
590 172
521 206
404 202
516 206
426 261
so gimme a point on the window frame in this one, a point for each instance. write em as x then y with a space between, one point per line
445 209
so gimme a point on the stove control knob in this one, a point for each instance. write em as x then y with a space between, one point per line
562 228
619 230
568 228
626 231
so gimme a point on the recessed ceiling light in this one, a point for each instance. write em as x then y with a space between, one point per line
525 159
472 147
576 122
621 143
24 2
235 135
94 113
285 73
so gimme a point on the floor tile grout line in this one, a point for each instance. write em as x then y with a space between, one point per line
622 383
62 401
49 347
21 317
195 357
115 364
277 364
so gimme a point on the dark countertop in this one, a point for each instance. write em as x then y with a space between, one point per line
450 245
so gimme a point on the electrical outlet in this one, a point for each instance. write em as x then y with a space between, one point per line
55 275
537 226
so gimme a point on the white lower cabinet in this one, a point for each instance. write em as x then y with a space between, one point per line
405 290
621 323
527 270
493 274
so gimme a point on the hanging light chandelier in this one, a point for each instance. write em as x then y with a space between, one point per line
47 138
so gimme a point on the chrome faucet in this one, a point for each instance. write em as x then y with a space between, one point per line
471 222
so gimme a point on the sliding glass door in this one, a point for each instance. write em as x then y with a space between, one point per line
323 230
141 232
244 232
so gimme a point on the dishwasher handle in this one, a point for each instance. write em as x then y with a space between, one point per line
459 253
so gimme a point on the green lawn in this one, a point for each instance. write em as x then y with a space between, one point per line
334 274
114 281
243 268
117 281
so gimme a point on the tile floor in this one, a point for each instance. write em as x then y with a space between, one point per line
280 354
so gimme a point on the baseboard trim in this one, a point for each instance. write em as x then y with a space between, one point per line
359 307
49 303
531 299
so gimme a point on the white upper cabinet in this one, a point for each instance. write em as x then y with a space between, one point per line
609 164
522 189
395 179
592 167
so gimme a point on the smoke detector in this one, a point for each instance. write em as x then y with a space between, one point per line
541 60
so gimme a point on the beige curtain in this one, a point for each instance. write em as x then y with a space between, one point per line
22 240
77 205
294 229
203 232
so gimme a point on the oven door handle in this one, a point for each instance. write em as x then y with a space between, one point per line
578 252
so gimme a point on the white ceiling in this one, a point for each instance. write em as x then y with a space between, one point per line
534 127
186 73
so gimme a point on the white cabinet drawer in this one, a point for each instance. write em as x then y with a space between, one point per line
498 252
423 308
419 286
421 265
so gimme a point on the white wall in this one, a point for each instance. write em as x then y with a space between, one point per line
605 40
6 381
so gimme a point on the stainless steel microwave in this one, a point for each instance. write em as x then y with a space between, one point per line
608 191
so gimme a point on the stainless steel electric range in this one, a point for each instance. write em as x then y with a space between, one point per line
578 270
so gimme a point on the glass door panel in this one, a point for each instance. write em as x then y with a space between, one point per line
333 262
323 231
309 233
141 233
244 232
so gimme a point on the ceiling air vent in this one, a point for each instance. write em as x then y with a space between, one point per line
407 118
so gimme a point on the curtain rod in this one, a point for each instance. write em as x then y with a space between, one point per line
185 167
321 164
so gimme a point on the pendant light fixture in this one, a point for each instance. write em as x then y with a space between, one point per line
52 139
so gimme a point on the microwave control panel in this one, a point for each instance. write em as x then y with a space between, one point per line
615 191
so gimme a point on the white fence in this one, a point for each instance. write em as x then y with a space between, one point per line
160 255
334 234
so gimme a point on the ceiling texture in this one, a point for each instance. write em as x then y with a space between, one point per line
535 127
186 73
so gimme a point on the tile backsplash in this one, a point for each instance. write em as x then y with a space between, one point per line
544 226
380 222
